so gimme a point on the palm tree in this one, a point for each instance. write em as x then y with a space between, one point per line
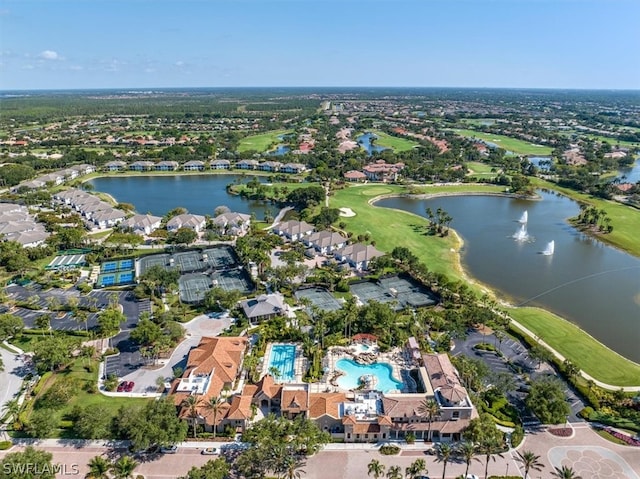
293 467
565 473
417 467
99 468
82 316
529 461
444 452
467 450
12 409
430 409
394 472
375 469
214 405
192 403
123 468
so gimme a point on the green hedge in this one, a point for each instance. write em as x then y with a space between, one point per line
389 450
4 445
38 387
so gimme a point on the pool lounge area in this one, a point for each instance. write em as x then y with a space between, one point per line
363 366
287 358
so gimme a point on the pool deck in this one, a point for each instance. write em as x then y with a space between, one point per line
393 358
299 364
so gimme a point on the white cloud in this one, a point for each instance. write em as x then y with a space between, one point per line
49 55
76 67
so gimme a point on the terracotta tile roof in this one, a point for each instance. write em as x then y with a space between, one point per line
240 407
441 371
325 404
366 427
268 387
294 400
399 406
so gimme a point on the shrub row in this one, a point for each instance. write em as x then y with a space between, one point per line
389 450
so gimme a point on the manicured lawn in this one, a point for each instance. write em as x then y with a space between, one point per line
393 142
519 147
481 170
624 219
261 142
592 357
390 228
80 378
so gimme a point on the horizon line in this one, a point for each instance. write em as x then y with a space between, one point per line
8 90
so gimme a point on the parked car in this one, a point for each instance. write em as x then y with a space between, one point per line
210 451
129 387
169 449
122 386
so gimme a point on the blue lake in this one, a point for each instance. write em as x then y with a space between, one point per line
199 194
365 142
585 281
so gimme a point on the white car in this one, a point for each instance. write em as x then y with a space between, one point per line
169 449
210 451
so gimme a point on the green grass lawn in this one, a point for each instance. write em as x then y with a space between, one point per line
77 374
390 228
624 219
481 170
519 147
569 340
261 142
393 142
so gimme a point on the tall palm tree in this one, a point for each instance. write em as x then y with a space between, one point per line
394 472
375 469
467 450
488 448
430 409
214 405
99 468
529 461
192 403
123 468
444 452
417 468
565 472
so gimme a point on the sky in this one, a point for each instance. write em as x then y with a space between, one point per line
81 44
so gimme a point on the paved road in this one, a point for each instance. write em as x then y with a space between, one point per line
11 378
349 461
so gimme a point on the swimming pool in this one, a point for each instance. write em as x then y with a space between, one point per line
283 358
353 371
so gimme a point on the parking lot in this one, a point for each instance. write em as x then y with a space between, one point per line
516 353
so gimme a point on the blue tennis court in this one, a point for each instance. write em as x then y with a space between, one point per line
106 280
126 277
109 267
126 264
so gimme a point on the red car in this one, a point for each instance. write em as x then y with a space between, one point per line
122 386
129 387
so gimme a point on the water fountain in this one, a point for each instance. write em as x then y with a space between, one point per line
551 246
521 234
524 218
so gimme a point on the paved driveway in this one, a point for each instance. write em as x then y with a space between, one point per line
145 377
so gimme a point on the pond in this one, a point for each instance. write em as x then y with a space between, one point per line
630 174
585 281
199 194
365 141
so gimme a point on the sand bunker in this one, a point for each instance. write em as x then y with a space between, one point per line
347 212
